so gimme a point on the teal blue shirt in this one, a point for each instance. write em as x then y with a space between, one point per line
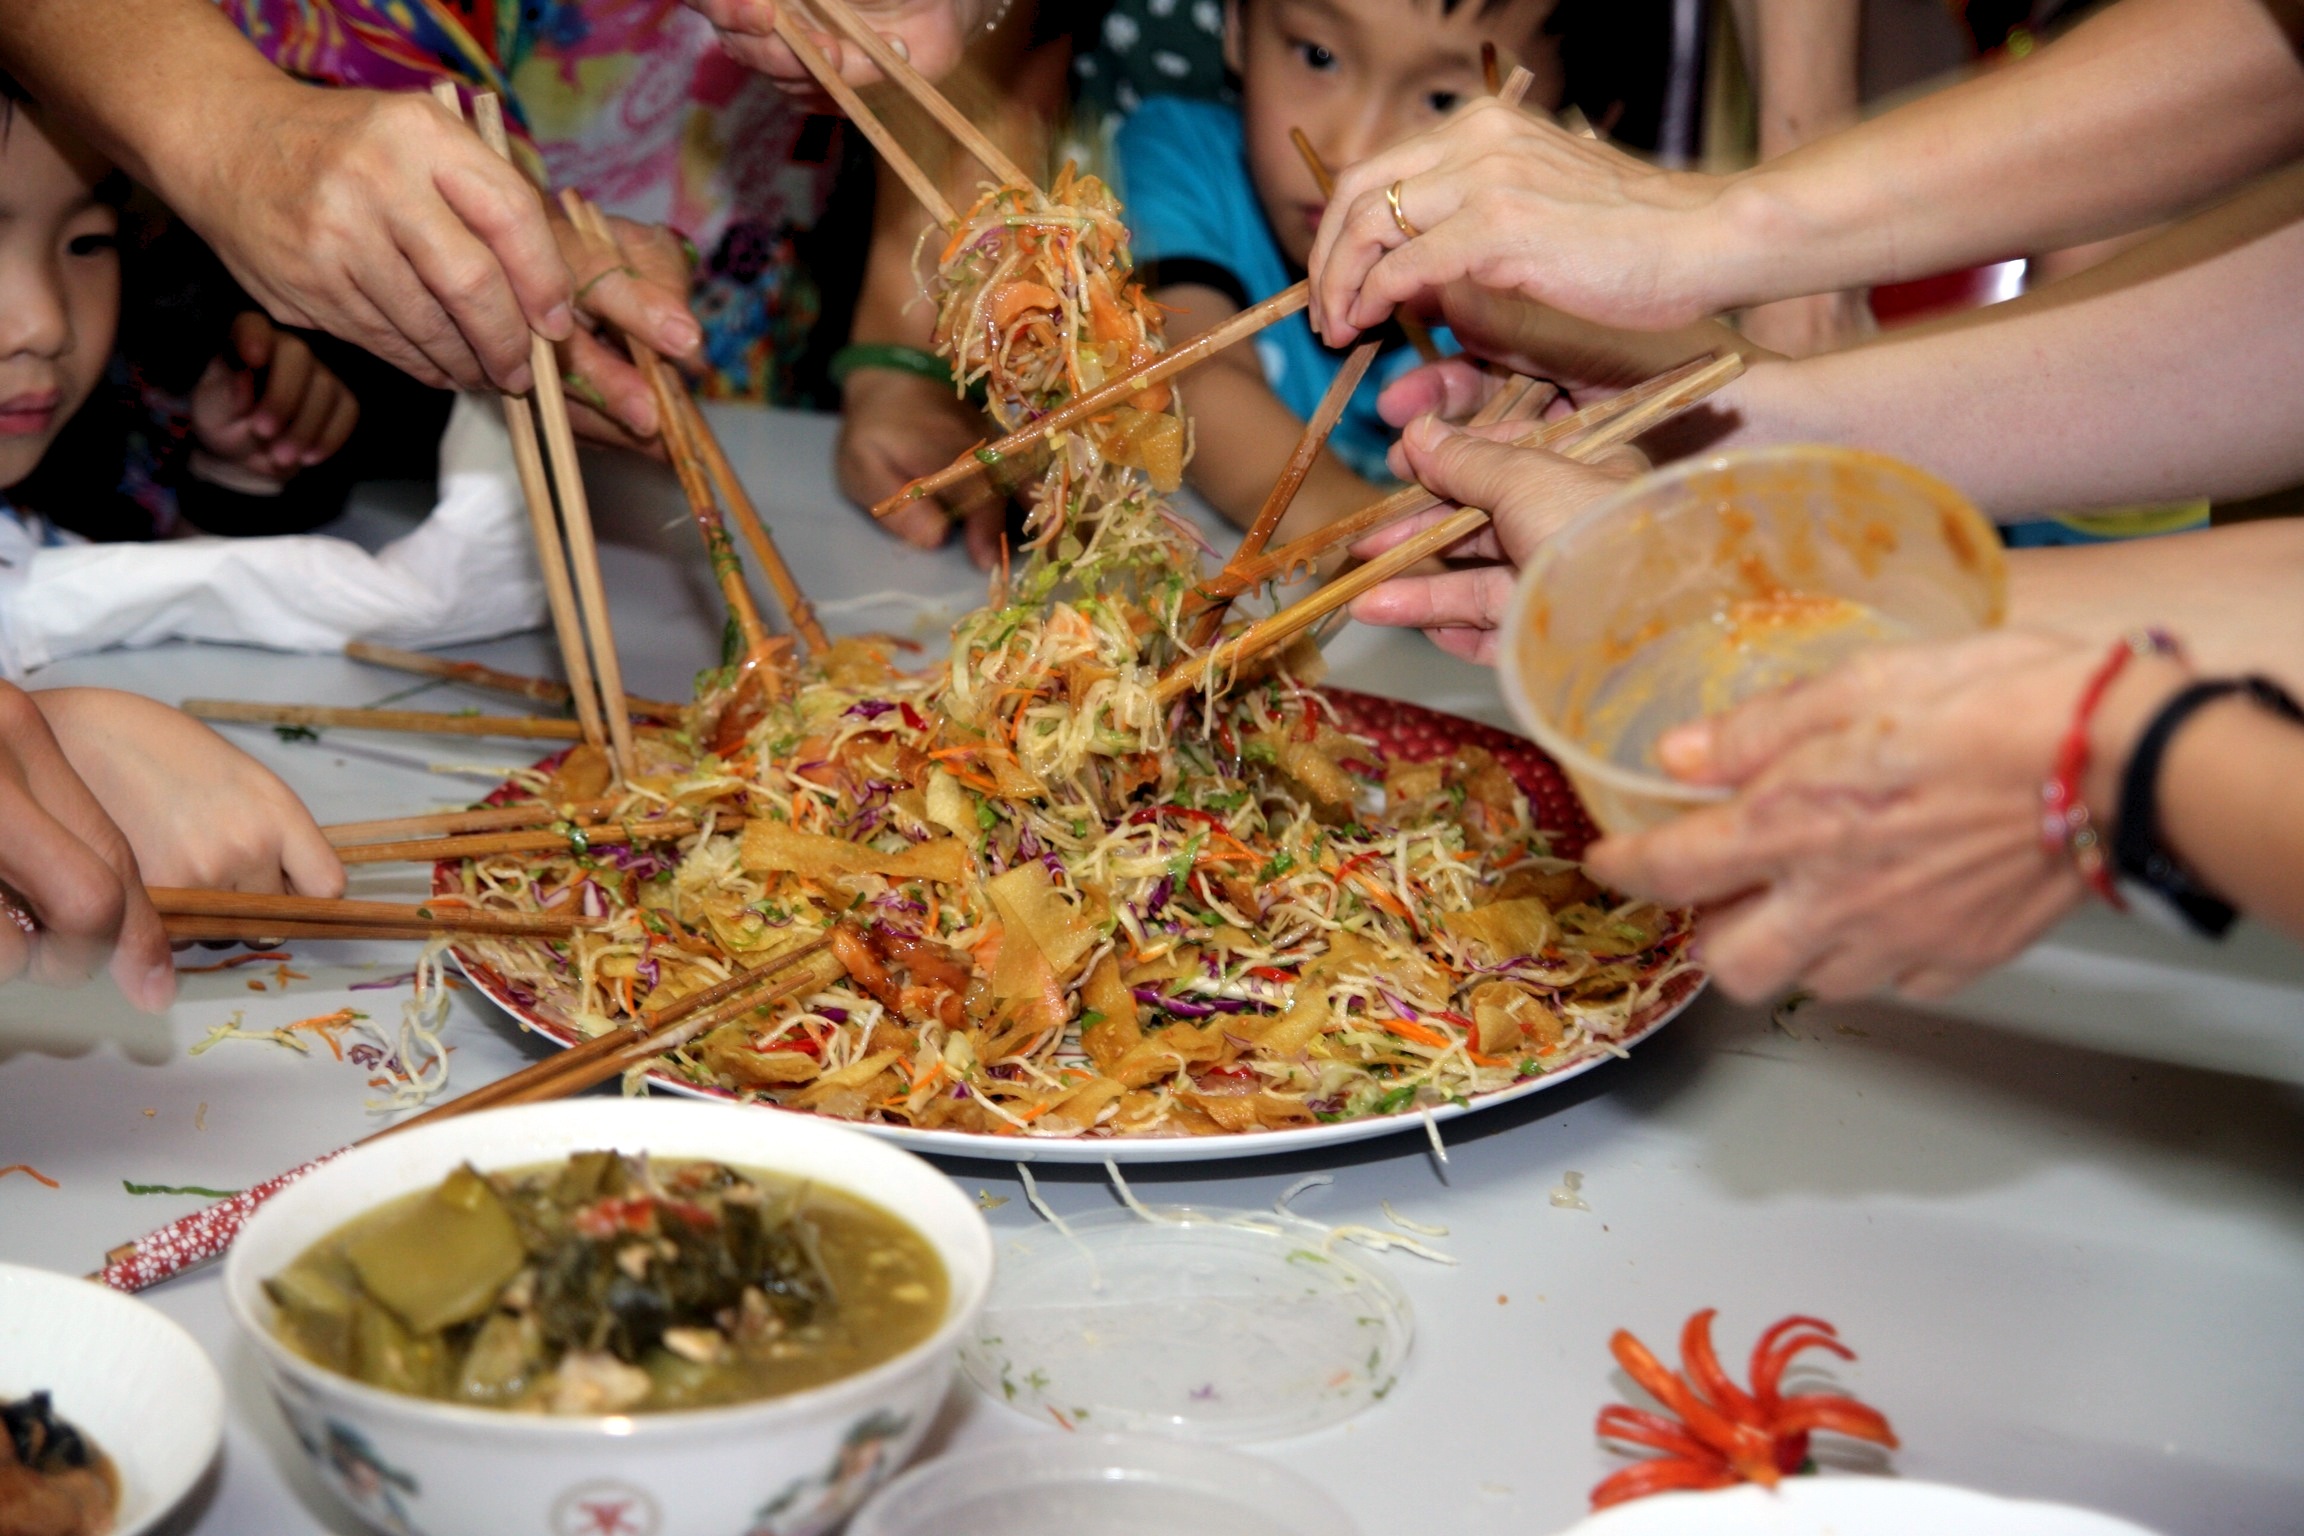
1194 218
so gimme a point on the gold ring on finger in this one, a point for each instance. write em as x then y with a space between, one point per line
1392 200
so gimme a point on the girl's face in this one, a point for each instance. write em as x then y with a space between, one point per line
1359 76
59 285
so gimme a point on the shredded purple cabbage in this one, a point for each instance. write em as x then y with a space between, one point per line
869 709
383 985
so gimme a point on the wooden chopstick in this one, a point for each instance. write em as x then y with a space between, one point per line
1294 619
1491 74
797 609
752 990
1516 398
1418 334
483 845
575 509
844 95
416 721
916 85
1409 500
1683 387
489 818
1161 366
687 464
173 901
544 690
544 522
1283 493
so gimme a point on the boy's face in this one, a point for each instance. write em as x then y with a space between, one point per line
1358 76
59 285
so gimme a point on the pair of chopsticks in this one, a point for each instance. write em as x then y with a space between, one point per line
195 1239
244 917
564 539
703 469
1604 427
473 674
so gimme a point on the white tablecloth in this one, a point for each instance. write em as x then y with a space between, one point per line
2069 1273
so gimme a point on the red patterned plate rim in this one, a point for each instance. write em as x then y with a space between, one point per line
1403 730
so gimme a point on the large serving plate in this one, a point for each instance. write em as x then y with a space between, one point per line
1407 732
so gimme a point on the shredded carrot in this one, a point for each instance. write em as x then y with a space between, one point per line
1421 1034
30 1172
329 1027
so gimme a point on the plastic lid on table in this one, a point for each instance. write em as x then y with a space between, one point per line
1199 1324
1099 1485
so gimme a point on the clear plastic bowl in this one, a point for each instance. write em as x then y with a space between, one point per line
1100 1485
1704 584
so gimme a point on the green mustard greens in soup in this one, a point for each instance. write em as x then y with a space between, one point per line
611 1284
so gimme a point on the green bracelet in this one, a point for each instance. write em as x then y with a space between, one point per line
892 356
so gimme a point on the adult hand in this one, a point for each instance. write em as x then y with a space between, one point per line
1528 494
269 406
1885 829
929 34
70 897
383 220
1514 203
1588 361
195 810
642 291
896 427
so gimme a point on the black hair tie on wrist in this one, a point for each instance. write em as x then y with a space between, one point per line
2137 849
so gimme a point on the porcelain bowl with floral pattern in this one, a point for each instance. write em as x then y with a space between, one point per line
794 1465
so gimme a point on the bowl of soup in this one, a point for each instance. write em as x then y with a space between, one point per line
1718 579
643 1316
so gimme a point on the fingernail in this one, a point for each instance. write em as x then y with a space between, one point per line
158 988
1685 751
559 320
1429 431
897 46
520 380
286 455
679 334
312 456
264 424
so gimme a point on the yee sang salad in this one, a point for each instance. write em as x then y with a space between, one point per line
1058 908
611 1284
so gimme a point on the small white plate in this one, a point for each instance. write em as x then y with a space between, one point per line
120 1373
1848 1506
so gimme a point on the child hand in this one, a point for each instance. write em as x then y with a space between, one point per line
1529 494
896 427
196 810
70 899
269 407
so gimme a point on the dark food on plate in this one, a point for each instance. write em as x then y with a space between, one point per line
53 1479
611 1284
1718 1434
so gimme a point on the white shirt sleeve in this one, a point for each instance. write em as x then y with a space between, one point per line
468 572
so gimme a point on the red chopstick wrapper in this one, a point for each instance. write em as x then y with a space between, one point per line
190 1241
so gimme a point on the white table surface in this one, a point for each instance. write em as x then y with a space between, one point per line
2070 1273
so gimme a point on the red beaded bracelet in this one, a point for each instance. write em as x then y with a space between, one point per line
2065 825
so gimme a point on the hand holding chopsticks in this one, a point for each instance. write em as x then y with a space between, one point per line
1597 430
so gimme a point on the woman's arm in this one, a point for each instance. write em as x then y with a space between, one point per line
374 217
2170 372
2137 114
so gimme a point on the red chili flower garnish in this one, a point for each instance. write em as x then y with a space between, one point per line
1717 1434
